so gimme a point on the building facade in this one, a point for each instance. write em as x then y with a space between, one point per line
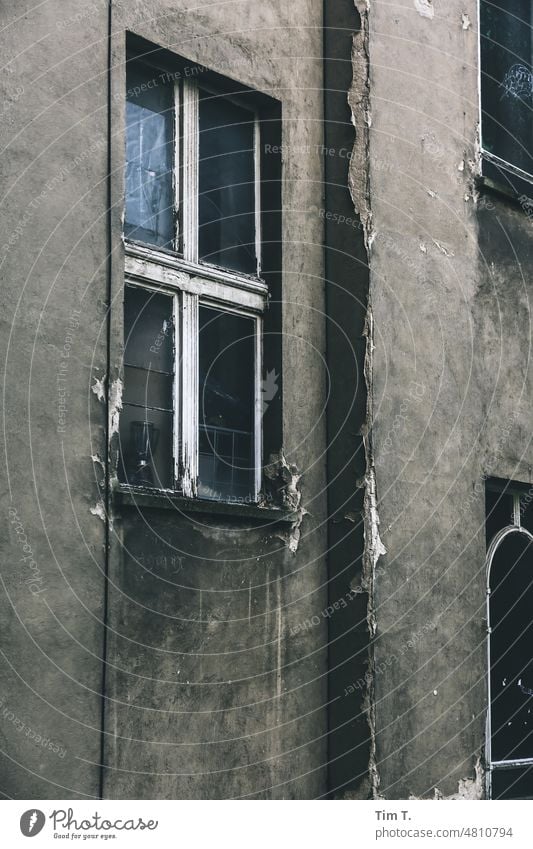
265 334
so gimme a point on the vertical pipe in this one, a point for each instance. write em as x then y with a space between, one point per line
107 495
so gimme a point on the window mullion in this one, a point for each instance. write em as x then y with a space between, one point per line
177 167
177 439
258 416
191 149
257 177
189 394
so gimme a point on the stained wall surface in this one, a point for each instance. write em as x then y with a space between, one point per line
53 319
216 687
206 642
451 292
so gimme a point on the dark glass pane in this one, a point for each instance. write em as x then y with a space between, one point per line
146 418
526 510
226 185
226 443
146 447
149 157
147 388
507 80
511 649
148 330
499 512
512 783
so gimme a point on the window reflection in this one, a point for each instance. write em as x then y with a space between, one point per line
146 418
149 158
227 185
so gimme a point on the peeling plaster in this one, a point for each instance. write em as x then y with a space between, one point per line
285 479
425 8
443 249
478 158
99 462
374 547
98 388
359 102
468 789
115 406
99 510
359 184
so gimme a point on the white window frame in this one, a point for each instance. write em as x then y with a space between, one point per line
503 533
192 283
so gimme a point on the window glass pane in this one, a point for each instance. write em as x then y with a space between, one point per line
511 655
506 80
226 438
499 512
226 185
146 417
512 783
526 510
149 157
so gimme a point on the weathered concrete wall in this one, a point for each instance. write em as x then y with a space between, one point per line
257 683
53 289
450 294
215 686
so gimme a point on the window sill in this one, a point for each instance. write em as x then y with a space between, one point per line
130 496
504 180
486 184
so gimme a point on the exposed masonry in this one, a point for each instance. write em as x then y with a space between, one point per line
359 185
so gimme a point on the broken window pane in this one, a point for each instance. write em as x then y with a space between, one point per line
511 649
149 157
226 416
507 80
146 418
226 185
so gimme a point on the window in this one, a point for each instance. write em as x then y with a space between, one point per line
507 91
192 170
195 294
510 640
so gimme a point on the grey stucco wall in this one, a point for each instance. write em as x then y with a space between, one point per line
53 290
450 291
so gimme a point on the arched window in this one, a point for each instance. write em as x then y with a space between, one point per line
510 652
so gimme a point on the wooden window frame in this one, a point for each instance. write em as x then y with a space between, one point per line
191 282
